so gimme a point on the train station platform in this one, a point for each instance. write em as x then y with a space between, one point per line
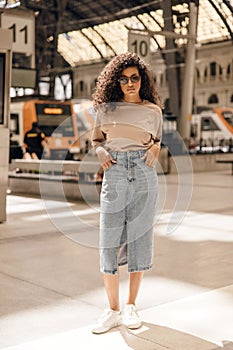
52 292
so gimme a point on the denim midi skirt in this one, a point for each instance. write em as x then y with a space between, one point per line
127 211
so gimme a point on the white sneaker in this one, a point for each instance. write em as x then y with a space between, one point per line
130 317
107 320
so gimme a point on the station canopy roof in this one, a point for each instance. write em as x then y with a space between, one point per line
88 30
215 23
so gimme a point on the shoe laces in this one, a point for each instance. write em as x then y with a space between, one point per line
105 315
130 311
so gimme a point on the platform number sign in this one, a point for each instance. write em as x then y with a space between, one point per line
22 26
140 44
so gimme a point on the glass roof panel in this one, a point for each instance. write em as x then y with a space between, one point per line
116 34
154 23
111 38
181 22
210 25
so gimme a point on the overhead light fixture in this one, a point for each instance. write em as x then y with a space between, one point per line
9 4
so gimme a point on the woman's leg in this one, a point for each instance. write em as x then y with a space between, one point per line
111 317
134 285
111 283
131 318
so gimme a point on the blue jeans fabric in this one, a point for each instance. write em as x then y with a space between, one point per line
127 210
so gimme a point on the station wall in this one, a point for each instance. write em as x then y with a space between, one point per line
213 76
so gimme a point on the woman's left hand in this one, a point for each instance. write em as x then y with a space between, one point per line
152 155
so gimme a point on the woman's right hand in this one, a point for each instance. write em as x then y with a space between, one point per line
104 157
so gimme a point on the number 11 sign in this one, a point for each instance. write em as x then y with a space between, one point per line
140 44
22 25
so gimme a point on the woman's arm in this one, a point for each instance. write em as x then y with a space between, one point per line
152 154
98 139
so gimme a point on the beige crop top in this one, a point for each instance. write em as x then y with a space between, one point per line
131 126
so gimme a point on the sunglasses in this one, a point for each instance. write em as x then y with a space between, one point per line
133 79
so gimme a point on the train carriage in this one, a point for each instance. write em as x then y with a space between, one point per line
56 120
212 130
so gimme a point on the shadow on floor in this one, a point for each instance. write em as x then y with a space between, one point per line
154 337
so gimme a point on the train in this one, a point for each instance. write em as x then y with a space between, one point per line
67 126
56 120
64 124
212 130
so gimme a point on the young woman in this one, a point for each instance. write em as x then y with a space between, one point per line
127 138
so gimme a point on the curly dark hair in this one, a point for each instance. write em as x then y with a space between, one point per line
108 88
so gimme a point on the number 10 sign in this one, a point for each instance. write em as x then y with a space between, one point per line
140 44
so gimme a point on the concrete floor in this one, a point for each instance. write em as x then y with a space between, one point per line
51 289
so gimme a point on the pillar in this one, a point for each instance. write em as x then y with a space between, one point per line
189 73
